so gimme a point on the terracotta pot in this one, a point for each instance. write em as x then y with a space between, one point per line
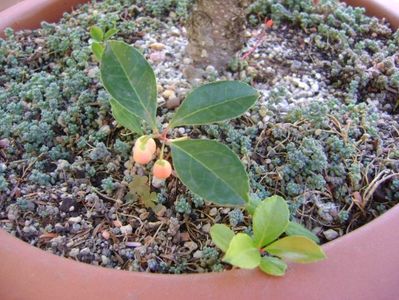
8 3
361 265
29 13
388 9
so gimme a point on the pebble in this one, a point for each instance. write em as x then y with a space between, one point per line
213 212
157 56
263 111
210 69
172 102
117 223
105 260
157 46
296 65
85 251
174 31
167 94
58 227
252 71
191 246
133 244
206 228
4 143
127 229
12 216
75 219
330 234
74 252
105 234
266 119
92 73
197 254
187 61
315 87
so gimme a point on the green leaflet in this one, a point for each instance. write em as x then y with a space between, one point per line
130 80
273 266
211 170
110 33
215 102
242 252
270 220
296 248
96 33
221 236
97 49
124 118
297 229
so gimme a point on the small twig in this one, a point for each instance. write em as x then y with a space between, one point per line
368 193
259 39
105 196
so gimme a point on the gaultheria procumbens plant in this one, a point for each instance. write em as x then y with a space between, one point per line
263 248
207 167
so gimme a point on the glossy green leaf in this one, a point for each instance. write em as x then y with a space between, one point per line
242 252
270 220
296 248
130 80
215 102
273 266
211 170
297 229
96 33
124 118
221 236
110 33
98 50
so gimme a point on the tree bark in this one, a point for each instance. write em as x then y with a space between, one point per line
215 31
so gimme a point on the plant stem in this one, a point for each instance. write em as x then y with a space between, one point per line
162 149
183 138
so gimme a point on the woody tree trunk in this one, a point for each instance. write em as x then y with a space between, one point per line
215 31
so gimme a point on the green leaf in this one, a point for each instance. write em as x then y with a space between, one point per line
221 236
297 229
96 33
296 248
242 252
215 102
273 266
270 220
130 80
110 33
124 118
140 188
98 50
211 170
252 204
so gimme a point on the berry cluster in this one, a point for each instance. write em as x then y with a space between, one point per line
143 152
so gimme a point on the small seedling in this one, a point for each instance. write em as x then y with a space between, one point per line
264 249
208 168
99 38
140 190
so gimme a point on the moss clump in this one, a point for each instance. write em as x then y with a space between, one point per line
360 50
